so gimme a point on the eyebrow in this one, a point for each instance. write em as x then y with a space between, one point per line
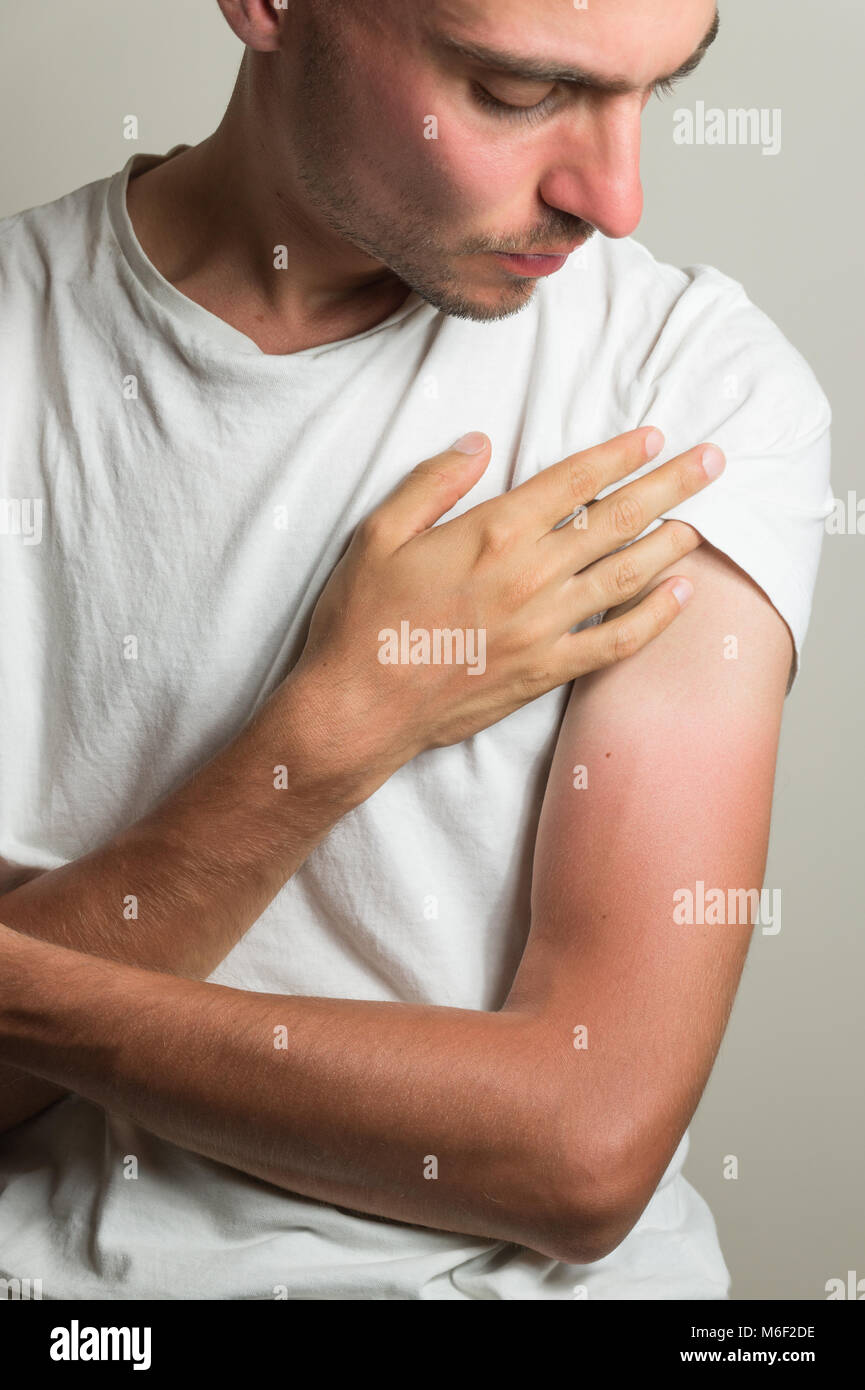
539 70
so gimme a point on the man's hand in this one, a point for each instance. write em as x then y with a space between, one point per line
508 578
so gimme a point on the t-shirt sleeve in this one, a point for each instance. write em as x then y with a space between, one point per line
720 370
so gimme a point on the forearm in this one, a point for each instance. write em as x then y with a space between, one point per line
177 890
435 1116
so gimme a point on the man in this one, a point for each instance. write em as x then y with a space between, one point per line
363 969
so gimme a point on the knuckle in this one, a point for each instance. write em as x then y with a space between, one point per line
533 682
626 577
583 481
626 516
371 531
681 536
625 641
433 470
496 536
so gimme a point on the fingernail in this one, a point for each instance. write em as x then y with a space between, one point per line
471 443
683 591
713 461
654 443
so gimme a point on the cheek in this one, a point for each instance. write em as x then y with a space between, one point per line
453 162
460 165
405 150
483 173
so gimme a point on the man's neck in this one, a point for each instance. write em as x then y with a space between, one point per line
211 220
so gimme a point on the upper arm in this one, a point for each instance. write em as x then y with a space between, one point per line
679 745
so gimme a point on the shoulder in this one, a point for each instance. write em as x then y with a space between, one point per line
689 342
45 246
687 350
49 268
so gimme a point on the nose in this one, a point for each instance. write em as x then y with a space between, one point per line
593 165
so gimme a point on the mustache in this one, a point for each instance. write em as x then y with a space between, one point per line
575 230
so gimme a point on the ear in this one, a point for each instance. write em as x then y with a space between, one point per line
257 23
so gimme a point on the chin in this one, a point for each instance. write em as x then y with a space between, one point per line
503 306
464 299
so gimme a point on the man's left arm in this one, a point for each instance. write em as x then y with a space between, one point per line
660 791
533 1141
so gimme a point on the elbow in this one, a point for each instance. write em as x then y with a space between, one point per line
583 1179
591 1237
598 1206
584 1236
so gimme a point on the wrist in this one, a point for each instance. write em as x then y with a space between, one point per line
336 742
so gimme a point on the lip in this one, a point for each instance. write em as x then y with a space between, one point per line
537 262
533 264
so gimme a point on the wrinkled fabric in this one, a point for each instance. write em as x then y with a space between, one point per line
195 495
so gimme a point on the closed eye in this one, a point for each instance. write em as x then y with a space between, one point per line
536 111
665 87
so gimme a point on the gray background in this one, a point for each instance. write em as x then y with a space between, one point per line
786 1093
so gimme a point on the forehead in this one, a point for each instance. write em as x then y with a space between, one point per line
625 41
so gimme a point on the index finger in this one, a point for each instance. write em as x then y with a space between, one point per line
558 490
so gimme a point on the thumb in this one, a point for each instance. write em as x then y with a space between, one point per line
434 486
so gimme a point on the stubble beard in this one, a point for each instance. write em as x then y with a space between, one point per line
399 237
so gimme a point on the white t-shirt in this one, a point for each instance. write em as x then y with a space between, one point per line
195 494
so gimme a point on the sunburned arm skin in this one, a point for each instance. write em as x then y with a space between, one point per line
536 1142
679 746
